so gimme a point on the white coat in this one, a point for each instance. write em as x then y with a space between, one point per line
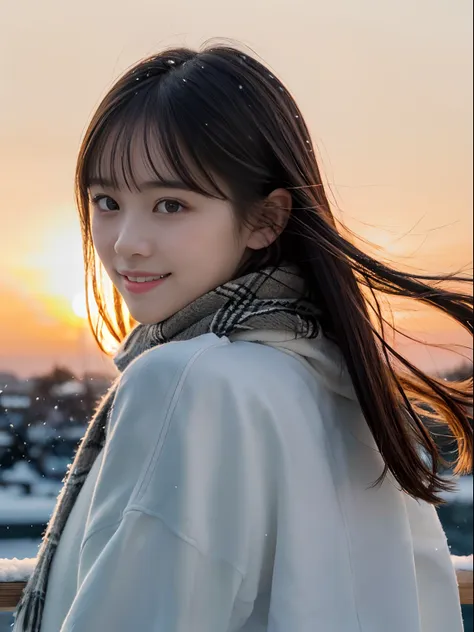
233 495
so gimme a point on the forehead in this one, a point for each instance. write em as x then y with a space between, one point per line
130 155
128 160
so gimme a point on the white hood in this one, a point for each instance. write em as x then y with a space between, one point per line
324 356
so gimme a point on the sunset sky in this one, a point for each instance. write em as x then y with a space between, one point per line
386 88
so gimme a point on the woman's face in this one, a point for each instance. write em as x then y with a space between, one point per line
162 245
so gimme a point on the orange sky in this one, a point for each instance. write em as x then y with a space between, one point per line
386 89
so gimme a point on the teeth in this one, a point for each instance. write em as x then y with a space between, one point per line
146 279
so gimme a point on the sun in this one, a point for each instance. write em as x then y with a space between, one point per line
79 305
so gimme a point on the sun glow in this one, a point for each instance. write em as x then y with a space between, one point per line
53 272
79 305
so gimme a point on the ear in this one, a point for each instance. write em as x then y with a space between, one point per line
272 219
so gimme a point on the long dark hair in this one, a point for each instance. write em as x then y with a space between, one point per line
220 116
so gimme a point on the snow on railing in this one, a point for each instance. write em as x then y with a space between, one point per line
462 562
14 573
16 570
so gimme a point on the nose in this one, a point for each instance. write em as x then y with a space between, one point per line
133 241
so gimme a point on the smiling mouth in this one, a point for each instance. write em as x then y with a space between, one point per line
145 279
143 284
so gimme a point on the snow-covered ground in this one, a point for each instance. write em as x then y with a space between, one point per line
463 494
18 508
22 472
15 509
19 548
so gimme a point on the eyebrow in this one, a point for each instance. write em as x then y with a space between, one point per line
144 186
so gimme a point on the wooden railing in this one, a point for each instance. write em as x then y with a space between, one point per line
465 586
10 592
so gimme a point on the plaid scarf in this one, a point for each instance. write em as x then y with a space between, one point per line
273 298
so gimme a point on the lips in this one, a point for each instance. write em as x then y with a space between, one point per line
136 274
142 282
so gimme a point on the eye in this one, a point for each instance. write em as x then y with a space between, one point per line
105 203
169 206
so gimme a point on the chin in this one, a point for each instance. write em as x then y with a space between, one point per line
145 317
150 315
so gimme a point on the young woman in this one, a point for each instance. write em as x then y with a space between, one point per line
261 462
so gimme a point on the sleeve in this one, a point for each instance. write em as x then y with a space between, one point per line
147 578
438 592
175 521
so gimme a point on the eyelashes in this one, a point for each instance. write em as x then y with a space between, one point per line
97 199
170 206
166 206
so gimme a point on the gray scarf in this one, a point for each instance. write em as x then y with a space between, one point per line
269 299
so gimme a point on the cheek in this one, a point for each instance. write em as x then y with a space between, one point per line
213 246
217 232
103 240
